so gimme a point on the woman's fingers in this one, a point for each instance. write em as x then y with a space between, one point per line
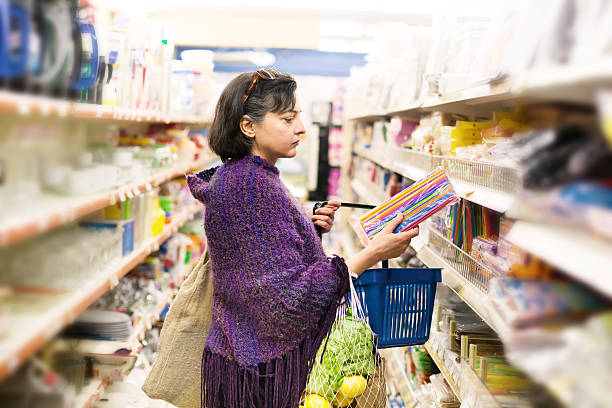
393 224
325 225
326 211
333 203
411 233
323 218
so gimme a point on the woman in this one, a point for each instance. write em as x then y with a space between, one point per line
275 291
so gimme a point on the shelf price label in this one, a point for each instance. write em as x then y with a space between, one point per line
113 281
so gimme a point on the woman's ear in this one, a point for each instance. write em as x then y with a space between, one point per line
247 127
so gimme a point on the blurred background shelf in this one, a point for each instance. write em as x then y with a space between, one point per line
58 309
24 105
571 83
368 192
54 210
393 358
91 393
147 322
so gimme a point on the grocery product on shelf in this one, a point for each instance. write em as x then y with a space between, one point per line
100 324
63 258
472 359
104 339
78 51
522 303
575 361
44 386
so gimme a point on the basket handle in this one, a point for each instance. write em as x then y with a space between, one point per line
342 204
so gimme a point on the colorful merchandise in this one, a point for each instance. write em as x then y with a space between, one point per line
526 302
416 203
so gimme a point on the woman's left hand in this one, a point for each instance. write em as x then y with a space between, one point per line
324 216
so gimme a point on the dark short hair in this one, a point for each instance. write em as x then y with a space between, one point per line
276 95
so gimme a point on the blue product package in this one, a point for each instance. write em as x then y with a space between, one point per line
127 229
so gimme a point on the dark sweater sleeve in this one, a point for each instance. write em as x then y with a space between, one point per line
293 289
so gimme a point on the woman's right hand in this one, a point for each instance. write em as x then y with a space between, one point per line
384 245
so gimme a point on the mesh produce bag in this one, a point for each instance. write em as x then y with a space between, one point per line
348 371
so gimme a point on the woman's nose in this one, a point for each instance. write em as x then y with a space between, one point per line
300 129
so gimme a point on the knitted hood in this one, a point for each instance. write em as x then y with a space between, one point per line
198 182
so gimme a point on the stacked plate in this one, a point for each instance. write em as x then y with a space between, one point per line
101 324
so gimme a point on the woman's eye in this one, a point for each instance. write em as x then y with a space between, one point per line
289 120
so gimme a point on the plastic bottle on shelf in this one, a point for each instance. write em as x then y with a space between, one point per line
114 89
159 218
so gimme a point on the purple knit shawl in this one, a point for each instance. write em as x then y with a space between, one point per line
275 290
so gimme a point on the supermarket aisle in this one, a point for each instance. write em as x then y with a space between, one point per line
487 125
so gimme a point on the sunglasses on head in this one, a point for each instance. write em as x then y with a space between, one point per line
262 73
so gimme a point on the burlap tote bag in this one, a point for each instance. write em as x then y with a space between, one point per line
176 374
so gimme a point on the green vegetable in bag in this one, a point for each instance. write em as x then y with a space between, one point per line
349 351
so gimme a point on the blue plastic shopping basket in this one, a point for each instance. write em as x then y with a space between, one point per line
398 303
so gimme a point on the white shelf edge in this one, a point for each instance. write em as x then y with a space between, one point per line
25 105
444 370
583 257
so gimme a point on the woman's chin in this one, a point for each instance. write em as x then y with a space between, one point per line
291 153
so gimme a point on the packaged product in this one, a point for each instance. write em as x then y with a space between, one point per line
416 203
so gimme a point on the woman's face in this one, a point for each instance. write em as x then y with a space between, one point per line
279 134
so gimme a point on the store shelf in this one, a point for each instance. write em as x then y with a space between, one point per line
450 378
369 117
146 323
29 332
26 105
469 293
346 241
583 257
463 380
402 382
57 210
91 393
368 192
575 84
486 184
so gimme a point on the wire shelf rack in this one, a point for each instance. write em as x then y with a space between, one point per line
468 267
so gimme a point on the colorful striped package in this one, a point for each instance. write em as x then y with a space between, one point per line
417 203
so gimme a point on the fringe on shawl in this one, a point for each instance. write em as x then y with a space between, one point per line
277 383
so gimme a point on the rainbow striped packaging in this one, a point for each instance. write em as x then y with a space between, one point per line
417 203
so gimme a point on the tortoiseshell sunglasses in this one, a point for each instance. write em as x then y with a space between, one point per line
263 73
